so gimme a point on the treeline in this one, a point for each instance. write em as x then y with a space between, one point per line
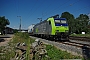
77 25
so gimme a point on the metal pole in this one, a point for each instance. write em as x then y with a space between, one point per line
20 23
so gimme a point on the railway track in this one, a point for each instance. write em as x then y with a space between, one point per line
79 48
74 48
76 43
80 45
80 38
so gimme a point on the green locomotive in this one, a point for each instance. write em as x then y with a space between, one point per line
53 27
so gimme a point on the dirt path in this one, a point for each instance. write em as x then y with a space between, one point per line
4 41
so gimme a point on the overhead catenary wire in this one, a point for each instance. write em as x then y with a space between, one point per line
43 15
49 6
30 13
17 7
30 9
56 8
18 12
36 10
59 8
44 10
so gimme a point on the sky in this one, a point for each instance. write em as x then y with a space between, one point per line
31 10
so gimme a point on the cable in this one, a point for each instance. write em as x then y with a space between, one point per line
17 7
32 8
41 5
46 9
57 7
64 7
35 10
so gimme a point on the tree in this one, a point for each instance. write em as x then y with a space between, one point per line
70 20
82 23
78 25
3 23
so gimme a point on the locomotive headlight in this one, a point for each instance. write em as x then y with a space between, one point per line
57 30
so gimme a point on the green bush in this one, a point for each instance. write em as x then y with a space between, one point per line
20 37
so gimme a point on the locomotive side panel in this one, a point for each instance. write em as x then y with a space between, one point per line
43 28
40 28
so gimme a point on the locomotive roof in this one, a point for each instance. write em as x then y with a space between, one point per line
60 18
52 17
41 22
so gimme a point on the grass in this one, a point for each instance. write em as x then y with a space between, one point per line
23 37
57 54
81 35
9 52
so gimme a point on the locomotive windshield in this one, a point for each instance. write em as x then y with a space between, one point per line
63 21
57 21
60 22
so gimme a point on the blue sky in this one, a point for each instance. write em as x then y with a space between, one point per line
30 10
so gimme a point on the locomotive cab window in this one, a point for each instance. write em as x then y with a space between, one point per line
59 22
63 21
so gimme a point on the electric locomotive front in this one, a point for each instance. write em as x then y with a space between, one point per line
59 28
